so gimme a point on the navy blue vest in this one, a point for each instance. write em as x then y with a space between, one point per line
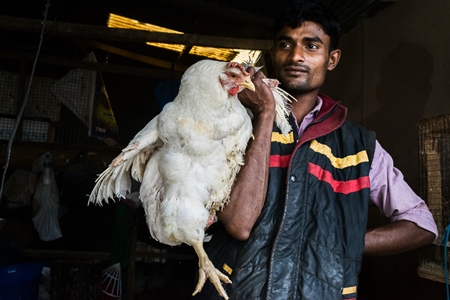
308 242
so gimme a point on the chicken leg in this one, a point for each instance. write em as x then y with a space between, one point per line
207 270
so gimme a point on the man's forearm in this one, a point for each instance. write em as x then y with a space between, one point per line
396 237
250 188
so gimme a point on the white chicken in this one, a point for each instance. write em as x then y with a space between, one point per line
187 157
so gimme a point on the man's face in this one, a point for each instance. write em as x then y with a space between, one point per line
301 58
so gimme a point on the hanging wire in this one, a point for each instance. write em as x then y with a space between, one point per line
24 103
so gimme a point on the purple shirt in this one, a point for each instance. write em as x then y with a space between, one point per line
388 190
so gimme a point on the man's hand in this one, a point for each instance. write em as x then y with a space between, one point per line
262 99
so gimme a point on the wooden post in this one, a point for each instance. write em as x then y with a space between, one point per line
132 265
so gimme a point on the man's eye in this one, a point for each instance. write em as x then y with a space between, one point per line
284 45
312 46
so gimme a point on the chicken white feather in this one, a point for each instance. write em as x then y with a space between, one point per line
187 157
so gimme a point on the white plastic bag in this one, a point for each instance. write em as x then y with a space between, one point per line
46 201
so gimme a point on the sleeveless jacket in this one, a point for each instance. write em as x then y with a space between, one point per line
308 241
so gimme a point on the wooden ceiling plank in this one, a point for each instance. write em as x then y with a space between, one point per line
129 35
136 56
222 11
103 67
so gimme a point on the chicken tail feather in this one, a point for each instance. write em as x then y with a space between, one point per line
282 101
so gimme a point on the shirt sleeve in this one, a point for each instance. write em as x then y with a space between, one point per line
393 196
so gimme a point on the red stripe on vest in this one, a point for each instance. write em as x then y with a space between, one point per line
343 187
279 161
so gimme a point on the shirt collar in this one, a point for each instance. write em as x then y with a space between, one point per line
313 113
309 117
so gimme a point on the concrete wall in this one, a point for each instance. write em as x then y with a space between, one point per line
394 71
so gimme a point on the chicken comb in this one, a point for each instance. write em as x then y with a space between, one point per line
234 64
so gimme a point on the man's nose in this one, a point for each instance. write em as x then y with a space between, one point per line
298 54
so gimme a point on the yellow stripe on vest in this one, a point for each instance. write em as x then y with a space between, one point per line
349 290
339 163
227 269
281 138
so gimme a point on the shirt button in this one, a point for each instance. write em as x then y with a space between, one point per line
293 178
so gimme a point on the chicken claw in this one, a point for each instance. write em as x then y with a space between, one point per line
207 270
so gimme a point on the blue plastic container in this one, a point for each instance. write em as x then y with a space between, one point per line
20 282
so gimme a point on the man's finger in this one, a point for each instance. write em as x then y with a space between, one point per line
251 70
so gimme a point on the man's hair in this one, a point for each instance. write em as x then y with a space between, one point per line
299 11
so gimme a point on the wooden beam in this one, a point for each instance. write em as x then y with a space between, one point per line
129 35
136 56
62 154
223 11
78 63
84 255
64 254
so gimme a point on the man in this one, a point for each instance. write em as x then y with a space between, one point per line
295 227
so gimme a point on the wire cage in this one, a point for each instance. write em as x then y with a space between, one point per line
73 105
52 90
42 108
434 143
112 281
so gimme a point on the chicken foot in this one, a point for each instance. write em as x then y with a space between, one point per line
207 270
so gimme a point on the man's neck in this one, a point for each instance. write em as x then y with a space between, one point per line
304 105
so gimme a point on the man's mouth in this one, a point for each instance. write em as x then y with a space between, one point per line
296 70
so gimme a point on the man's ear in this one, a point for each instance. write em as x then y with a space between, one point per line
333 60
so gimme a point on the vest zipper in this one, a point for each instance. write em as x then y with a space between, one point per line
269 275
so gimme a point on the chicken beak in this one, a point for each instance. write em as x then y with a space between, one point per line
247 83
